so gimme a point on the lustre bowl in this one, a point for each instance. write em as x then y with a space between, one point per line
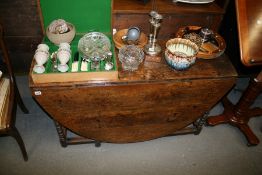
180 53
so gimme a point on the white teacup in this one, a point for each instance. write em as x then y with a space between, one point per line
43 47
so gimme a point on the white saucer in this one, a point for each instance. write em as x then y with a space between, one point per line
39 69
62 68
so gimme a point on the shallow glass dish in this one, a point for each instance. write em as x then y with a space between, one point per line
94 45
130 56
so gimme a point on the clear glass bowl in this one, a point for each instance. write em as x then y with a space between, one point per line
94 45
130 56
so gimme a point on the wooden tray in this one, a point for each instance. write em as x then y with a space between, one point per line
50 75
207 50
86 17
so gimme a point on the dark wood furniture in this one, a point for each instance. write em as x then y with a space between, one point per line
12 97
249 29
152 102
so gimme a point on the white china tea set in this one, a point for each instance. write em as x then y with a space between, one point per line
41 56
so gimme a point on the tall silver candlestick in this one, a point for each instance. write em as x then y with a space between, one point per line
152 48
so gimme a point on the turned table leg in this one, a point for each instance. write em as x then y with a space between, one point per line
61 134
65 140
238 115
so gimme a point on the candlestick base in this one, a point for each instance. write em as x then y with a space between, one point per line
152 49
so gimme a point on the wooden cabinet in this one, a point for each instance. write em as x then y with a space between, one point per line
127 13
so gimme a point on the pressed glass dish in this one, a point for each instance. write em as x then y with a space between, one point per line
130 56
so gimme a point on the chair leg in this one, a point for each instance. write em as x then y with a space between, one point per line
15 134
20 101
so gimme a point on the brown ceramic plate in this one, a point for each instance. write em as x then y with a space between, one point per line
208 50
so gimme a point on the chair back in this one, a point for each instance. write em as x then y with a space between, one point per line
6 57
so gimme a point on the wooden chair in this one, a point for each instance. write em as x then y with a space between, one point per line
9 97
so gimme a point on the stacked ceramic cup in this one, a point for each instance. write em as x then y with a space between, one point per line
63 55
41 56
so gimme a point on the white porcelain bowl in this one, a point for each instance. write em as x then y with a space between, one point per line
62 38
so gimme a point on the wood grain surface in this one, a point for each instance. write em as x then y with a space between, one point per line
152 102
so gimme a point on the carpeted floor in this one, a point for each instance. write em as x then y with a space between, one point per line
219 150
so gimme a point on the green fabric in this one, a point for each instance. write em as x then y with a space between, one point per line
74 44
86 15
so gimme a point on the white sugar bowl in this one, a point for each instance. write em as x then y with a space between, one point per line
58 38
